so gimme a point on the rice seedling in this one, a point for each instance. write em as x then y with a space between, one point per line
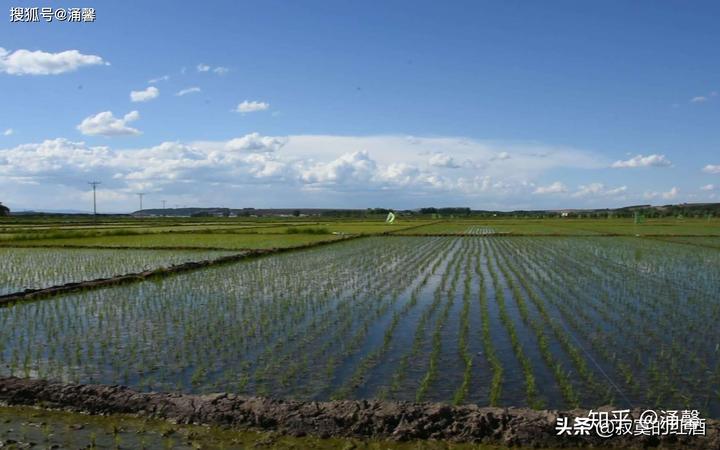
30 268
553 321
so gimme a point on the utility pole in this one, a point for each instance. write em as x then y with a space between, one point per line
94 185
164 213
140 194
163 202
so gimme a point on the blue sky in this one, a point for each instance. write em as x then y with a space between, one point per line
396 104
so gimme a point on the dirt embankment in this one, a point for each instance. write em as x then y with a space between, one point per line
360 419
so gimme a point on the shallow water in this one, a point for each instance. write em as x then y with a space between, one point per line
640 314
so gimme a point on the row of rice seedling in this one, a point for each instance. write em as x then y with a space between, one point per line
539 326
35 268
464 334
412 356
193 332
632 307
551 322
669 305
571 311
487 343
531 390
536 295
351 331
375 357
479 230
433 362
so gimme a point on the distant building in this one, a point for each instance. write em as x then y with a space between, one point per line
4 210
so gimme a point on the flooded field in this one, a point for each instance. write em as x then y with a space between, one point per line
553 322
36 268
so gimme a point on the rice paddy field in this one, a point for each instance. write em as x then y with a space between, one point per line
545 314
37 268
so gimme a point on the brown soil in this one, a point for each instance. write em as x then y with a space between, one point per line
349 418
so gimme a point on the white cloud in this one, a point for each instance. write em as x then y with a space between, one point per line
443 160
146 95
105 124
219 70
703 98
502 156
671 194
554 188
8 132
643 161
349 168
253 142
247 106
26 62
668 195
308 170
159 79
598 190
712 168
708 187
186 91
56 156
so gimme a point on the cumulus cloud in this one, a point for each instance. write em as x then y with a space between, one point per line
143 96
332 171
186 91
349 168
221 70
247 106
55 156
712 168
708 187
203 68
643 161
254 142
443 160
26 62
554 188
105 124
8 132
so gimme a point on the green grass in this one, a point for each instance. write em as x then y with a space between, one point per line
232 233
578 227
191 240
349 227
18 232
70 430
